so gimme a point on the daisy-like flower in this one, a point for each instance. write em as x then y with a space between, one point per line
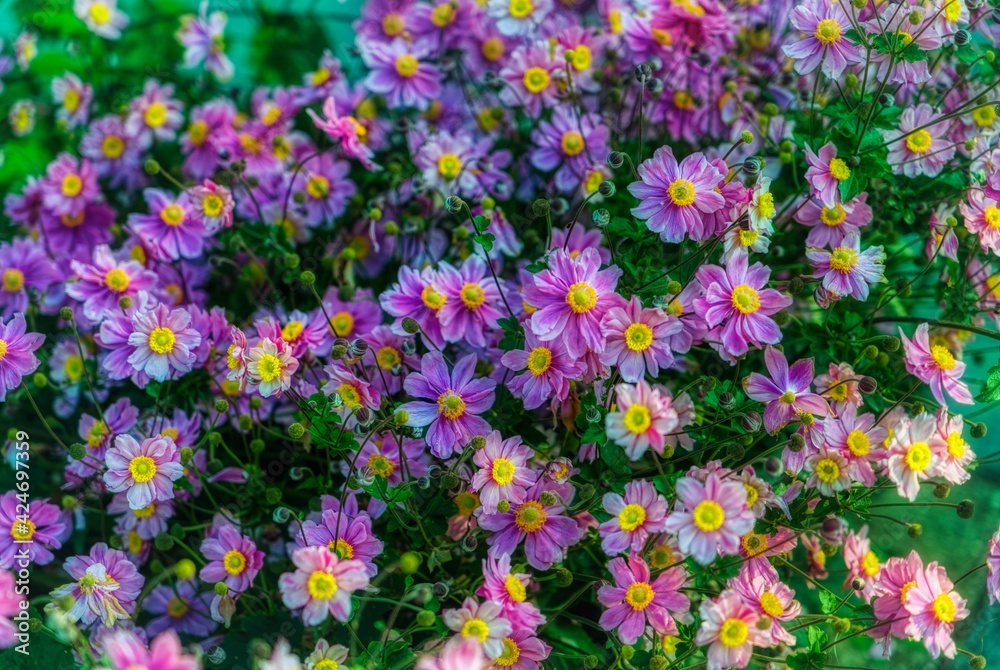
163 341
17 353
105 589
952 451
736 299
24 267
676 197
522 651
321 585
126 651
483 623
825 44
355 393
934 606
830 224
982 218
848 271
638 340
326 188
171 230
453 418
569 144
155 114
635 516
180 608
548 371
761 206
935 365
518 17
912 457
458 654
760 588
530 74
503 472
416 295
943 239
825 173
510 589
147 470
202 37
897 579
829 472
345 129
645 418
918 146
74 99
571 297
349 537
471 300
69 186
729 627
710 517
401 72
232 558
839 386
213 204
858 439
636 599
103 18
861 562
115 155
101 285
31 530
270 367
327 656
788 392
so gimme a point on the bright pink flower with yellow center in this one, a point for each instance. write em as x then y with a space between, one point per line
934 607
710 517
636 599
935 365
504 473
321 585
147 470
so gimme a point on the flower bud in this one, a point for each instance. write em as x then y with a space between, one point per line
164 542
469 543
966 509
586 492
125 302
606 189
750 422
187 453
548 498
423 483
796 442
338 351
296 430
454 204
591 662
151 167
601 217
221 405
426 618
674 287
708 384
292 261
281 515
257 446
540 207
942 491
185 569
658 663
627 652
858 584
594 415
77 451
751 165
870 352
307 278
477 442
747 137
642 72
616 159
564 577
272 495
726 401
410 325
503 506
735 452
841 625
914 530
795 285
962 37
978 430
917 408
66 314
977 663
867 385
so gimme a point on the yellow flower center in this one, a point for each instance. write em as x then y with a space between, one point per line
433 298
752 494
72 221
943 357
22 530
73 367
833 216
177 607
449 166
142 469
754 543
292 331
827 470
530 516
904 591
198 132
637 419
135 543
117 280
343 549
870 564
407 65
953 10
992 216
349 394
985 116
393 24
511 652
583 58
581 297
771 604
503 471
97 433
212 205
944 608
327 664
71 101
156 115
843 259
632 517
515 589
450 405
388 357
918 456
956 445
765 205
919 141
733 632
520 9
858 443
321 585
342 324
145 512
13 280
443 15
682 192
172 215
664 39
493 49
639 595
827 32
318 187
662 556
638 337
745 300
162 340
476 629
536 79
539 360
839 169
269 367
100 13
381 466
72 185
572 143
708 516
473 296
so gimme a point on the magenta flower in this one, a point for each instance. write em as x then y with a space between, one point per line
106 587
993 568
676 197
935 365
510 589
919 146
349 537
418 296
892 591
530 75
549 370
825 173
232 558
355 393
635 516
710 517
401 72
39 525
953 452
24 267
571 297
638 340
829 225
101 285
848 271
163 342
214 204
171 230
934 606
471 302
760 587
735 298
569 144
635 599
147 471
74 98
347 130
788 393
858 439
17 353
645 418
729 628
181 608
458 654
126 651
982 218
114 153
69 185
321 585
203 39
861 562
825 44
453 418
481 622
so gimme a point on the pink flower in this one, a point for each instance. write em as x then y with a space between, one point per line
164 342
729 627
912 456
640 512
232 558
840 386
862 563
147 471
106 587
935 365
825 43
892 590
17 353
760 588
126 651
481 623
635 599
102 285
934 607
982 218
510 589
638 339
347 130
919 146
503 472
829 472
645 418
787 393
951 450
992 568
825 173
213 204
471 302
710 518
858 439
847 270
829 224
458 654
270 367
321 585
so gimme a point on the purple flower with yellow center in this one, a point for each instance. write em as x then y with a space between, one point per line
17 353
636 599
147 470
354 393
935 365
400 72
481 623
675 197
163 341
640 512
518 17
232 558
34 529
569 144
530 75
638 339
351 318
548 370
69 185
540 522
326 188
571 297
982 218
105 589
75 235
710 517
418 296
171 230
788 392
471 302
349 537
919 146
147 522
504 473
24 266
100 286
200 141
443 22
155 114
825 173
113 152
204 42
829 225
345 129
214 204
97 434
391 358
846 270
502 585
825 43
450 163
385 459
452 419
321 585
179 607
74 99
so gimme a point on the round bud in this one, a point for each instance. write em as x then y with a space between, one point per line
272 495
187 453
77 451
773 466
410 325
564 577
66 314
296 430
771 109
642 72
795 285
449 480
674 287
867 385
977 663
627 653
886 100
292 261
708 384
841 625
858 584
782 318
751 422
164 542
586 492
601 218
151 167
870 352
735 452
917 408
915 17
348 254
616 159
966 509
851 81
978 430
503 506
441 589
115 541
185 569
606 189
221 405
307 278
747 137
593 415
890 343
125 302
796 442
658 663
423 483
257 446
540 207
914 530
34 625
338 351
942 491
962 37
548 498
409 562
477 442
469 543
751 165
454 204
882 360
727 401
591 662
426 618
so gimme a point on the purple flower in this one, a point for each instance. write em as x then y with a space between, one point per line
640 512
825 173
570 143
232 558
147 470
163 342
204 43
74 98
710 517
180 608
172 230
106 587
17 353
347 537
324 184
154 114
504 473
471 301
919 146
638 340
321 585
829 225
636 599
75 235
452 419
100 286
549 371
788 393
24 266
418 296
848 271
69 185
934 365
824 24
400 73
114 153
530 77
37 527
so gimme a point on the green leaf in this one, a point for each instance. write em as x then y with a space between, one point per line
828 601
991 389
817 637
485 241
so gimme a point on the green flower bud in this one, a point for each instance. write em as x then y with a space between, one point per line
503 506
257 446
221 405
295 431
77 451
152 167
164 542
40 380
391 228
410 325
548 498
841 625
564 577
477 442
187 453
870 352
125 302
246 422
292 261
978 430
401 417
747 137
66 314
426 618
410 562
674 287
628 652
914 530
966 509
185 569
221 589
272 495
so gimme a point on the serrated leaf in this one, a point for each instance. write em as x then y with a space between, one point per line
991 389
